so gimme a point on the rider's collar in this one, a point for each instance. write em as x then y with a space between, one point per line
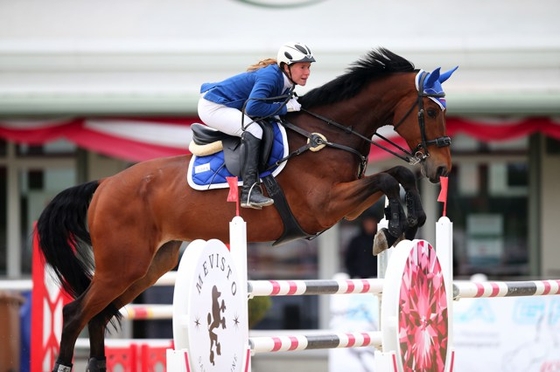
287 83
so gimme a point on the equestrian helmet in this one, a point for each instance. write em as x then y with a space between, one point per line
290 53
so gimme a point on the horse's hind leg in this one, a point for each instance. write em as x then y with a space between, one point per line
165 259
96 329
79 313
72 325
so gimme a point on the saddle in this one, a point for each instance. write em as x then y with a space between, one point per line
217 156
207 141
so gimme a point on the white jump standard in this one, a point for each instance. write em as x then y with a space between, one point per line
416 293
210 310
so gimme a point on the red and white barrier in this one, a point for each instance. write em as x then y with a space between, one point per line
506 289
315 341
210 310
414 280
314 287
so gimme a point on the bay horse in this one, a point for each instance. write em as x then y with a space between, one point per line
110 239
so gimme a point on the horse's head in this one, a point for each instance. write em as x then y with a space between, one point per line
424 129
378 88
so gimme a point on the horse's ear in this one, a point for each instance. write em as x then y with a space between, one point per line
432 78
444 76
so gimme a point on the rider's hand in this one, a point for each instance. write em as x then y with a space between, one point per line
293 105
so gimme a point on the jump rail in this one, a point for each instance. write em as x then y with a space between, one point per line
505 289
208 294
294 342
313 287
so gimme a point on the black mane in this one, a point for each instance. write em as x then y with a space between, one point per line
376 63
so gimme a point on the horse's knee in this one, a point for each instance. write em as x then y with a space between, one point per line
405 176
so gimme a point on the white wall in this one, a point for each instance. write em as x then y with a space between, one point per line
124 55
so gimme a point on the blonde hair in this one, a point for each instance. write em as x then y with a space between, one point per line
262 63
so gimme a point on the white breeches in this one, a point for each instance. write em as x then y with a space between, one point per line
226 119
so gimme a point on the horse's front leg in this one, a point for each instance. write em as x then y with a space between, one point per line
359 195
416 216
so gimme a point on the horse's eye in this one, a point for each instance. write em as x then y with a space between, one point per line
432 113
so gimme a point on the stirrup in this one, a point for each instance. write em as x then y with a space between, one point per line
247 203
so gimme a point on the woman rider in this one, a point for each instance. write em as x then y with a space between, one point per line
230 104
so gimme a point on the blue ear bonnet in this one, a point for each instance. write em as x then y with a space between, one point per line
432 85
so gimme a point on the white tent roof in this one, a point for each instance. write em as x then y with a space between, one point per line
148 57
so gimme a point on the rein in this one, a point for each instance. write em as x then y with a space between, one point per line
317 141
418 155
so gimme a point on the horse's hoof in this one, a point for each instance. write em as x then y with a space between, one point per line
384 240
380 242
59 367
96 365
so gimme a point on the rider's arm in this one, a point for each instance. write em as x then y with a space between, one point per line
267 84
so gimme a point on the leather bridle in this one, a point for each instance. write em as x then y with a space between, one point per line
417 155
420 152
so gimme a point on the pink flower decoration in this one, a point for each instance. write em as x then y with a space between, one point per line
423 315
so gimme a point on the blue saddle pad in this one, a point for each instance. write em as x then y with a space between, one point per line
210 172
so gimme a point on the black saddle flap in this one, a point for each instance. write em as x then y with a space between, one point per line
203 135
232 155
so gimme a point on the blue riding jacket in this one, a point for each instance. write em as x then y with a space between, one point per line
253 87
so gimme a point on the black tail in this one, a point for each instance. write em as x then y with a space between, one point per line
64 239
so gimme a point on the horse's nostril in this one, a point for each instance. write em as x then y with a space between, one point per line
442 171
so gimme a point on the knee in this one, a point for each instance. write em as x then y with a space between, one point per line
255 130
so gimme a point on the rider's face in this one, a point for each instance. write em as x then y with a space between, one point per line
300 72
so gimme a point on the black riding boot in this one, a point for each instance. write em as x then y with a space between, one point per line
251 195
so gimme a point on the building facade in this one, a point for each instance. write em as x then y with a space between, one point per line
88 88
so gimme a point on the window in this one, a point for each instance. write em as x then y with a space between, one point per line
488 204
29 177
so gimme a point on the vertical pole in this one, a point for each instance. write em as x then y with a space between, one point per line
238 249
238 246
382 263
329 265
383 257
444 249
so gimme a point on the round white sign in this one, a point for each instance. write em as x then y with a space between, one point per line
209 317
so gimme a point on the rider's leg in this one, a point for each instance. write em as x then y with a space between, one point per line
251 195
226 119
